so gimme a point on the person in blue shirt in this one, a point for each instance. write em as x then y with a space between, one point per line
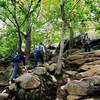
39 52
15 64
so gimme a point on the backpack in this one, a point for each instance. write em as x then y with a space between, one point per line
41 49
16 58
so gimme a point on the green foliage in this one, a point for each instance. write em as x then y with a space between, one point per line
8 44
80 15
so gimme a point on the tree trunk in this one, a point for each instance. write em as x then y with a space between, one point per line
28 40
19 44
58 71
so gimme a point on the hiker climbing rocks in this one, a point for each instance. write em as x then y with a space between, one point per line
39 52
86 42
15 64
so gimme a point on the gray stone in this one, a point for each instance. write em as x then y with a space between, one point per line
40 70
76 87
3 96
28 81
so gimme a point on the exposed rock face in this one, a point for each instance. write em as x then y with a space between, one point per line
89 73
28 81
90 65
82 58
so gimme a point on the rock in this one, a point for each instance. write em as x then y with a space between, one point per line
45 64
71 73
3 83
93 80
90 65
28 81
3 78
40 70
53 78
51 67
48 55
4 63
13 87
97 53
93 98
88 73
82 58
65 78
73 97
75 57
3 96
54 59
28 67
82 61
75 87
58 99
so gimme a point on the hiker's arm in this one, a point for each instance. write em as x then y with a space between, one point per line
44 49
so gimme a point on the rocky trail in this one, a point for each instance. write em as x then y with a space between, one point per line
79 80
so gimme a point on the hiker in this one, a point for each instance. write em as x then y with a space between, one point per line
15 64
39 52
87 42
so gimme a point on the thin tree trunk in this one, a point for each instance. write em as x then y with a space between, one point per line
59 67
19 45
28 39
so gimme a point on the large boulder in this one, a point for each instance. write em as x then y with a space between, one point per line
28 81
75 87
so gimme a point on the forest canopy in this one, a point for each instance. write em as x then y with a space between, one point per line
24 23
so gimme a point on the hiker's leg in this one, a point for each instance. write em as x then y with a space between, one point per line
35 59
86 48
42 58
15 70
89 47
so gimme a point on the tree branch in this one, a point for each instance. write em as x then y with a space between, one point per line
35 6
9 20
74 6
39 11
27 14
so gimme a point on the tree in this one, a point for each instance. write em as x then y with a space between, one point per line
18 15
58 71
